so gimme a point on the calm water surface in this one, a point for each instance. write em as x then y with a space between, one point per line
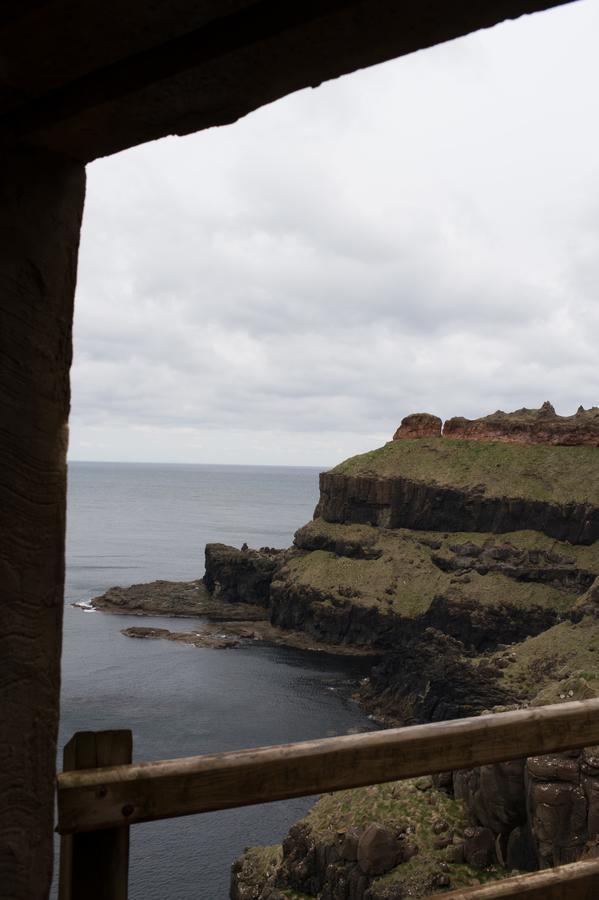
134 523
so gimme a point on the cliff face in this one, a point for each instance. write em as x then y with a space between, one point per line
469 560
363 585
457 485
397 502
240 576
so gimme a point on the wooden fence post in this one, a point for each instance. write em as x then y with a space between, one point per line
95 865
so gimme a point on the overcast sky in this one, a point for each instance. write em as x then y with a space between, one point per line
418 236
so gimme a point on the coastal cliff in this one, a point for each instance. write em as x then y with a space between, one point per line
468 557
443 484
465 558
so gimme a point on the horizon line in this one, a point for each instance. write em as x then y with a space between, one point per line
123 462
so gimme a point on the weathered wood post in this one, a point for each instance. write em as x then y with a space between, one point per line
94 865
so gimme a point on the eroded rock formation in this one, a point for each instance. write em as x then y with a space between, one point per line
471 560
530 426
471 569
419 425
240 576
523 426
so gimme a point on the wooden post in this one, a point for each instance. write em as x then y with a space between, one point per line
95 865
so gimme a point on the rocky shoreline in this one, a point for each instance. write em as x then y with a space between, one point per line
467 561
223 625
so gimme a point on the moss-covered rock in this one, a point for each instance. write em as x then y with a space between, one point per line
442 484
323 857
366 585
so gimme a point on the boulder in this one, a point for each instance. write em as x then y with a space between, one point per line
494 795
348 844
378 850
479 847
521 853
558 819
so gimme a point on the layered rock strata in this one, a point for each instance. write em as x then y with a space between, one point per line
362 585
530 426
240 576
523 426
450 485
470 567
419 425
471 561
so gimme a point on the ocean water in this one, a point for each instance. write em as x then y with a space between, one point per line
133 523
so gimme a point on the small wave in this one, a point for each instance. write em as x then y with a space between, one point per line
85 605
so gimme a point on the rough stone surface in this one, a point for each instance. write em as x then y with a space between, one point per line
479 847
430 680
398 502
348 844
494 795
240 576
530 426
378 850
41 202
521 852
419 425
170 598
558 819
111 75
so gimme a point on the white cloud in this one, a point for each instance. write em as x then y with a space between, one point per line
420 235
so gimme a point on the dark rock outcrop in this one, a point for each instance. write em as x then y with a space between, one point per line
431 680
169 598
240 576
330 856
379 850
399 502
540 812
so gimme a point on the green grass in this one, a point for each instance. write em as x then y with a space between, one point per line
561 660
400 804
397 803
559 474
404 580
258 864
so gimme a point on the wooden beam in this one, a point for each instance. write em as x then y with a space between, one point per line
218 37
95 866
223 69
576 881
148 791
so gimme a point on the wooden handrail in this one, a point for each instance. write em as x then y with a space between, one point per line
94 799
575 881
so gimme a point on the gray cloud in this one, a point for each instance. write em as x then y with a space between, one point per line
420 235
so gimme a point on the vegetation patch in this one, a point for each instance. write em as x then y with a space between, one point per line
412 568
538 472
559 664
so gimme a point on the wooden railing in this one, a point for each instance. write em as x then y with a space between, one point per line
101 793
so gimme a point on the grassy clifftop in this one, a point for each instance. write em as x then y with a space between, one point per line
549 473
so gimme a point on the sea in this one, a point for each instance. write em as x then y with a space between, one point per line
134 523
